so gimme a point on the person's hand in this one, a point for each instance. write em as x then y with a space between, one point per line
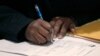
38 31
61 25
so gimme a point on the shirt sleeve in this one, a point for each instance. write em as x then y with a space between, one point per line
12 24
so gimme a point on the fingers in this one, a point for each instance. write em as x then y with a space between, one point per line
39 38
45 24
57 27
72 28
61 26
29 37
38 32
34 37
46 34
45 29
56 24
63 31
52 23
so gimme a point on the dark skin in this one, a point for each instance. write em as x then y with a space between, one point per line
39 31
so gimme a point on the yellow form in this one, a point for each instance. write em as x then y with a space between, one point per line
90 30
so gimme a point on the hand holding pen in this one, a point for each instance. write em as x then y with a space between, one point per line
50 39
40 31
60 25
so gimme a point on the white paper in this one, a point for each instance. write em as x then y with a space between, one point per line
8 54
68 46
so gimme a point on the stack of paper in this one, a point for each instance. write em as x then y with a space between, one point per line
67 46
8 54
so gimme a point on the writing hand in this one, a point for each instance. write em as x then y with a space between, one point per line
38 32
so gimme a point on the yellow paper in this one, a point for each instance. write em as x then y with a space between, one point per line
90 30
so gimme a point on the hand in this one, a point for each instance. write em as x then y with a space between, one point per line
61 25
38 31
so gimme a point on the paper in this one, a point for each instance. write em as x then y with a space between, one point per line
7 54
96 52
90 30
67 46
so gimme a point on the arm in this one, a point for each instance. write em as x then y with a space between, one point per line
16 27
12 23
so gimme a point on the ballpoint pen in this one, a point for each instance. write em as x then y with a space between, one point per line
41 17
38 11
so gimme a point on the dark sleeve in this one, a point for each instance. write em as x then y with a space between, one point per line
12 24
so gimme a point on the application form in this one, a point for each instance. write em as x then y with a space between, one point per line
68 46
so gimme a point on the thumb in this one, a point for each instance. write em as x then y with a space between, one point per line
72 28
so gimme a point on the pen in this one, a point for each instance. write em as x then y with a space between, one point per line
41 17
38 11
